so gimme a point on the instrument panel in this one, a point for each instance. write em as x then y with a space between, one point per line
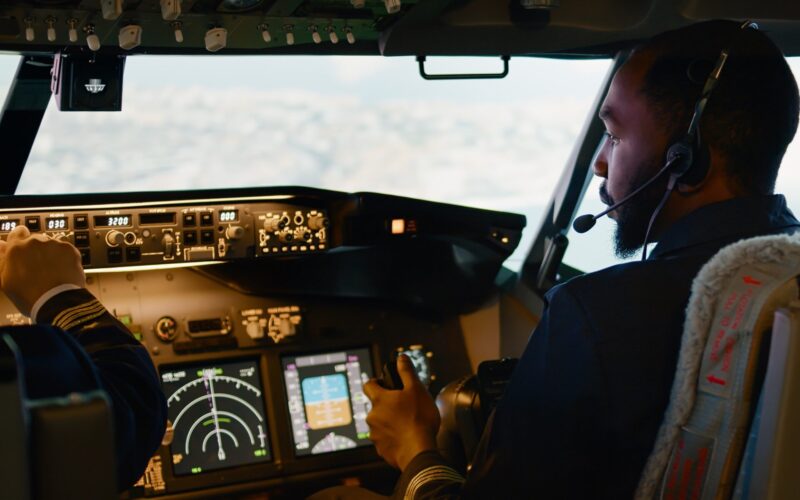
154 233
263 356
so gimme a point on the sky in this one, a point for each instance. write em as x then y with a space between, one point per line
343 123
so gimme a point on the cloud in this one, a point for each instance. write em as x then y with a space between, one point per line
355 69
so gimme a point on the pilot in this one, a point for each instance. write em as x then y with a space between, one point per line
76 345
581 413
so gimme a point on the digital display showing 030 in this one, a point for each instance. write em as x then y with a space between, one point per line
56 223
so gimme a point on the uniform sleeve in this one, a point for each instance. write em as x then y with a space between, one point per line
429 476
125 372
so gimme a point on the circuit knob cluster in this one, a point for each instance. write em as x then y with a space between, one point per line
292 231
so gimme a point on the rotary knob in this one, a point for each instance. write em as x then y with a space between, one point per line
317 222
166 329
302 234
114 238
234 232
286 236
274 224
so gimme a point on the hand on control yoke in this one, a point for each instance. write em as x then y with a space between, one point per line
30 265
404 422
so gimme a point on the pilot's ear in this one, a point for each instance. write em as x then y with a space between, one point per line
688 189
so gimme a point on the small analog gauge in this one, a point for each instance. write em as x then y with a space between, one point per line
239 5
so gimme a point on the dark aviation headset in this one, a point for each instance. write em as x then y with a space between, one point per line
687 161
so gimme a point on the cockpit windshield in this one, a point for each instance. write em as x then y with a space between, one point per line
341 123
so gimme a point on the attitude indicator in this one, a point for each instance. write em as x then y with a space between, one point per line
217 416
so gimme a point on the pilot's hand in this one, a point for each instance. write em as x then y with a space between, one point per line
31 265
402 423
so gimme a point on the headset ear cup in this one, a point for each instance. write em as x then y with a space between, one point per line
696 173
685 157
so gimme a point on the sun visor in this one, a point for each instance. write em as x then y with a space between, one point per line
88 82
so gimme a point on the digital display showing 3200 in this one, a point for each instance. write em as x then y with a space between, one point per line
217 415
327 404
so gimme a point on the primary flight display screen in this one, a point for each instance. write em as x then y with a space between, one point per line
327 404
216 411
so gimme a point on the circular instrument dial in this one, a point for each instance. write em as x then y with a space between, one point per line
217 415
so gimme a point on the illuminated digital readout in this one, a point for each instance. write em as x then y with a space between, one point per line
113 220
228 215
8 225
56 223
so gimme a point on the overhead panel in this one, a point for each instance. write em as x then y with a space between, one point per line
197 26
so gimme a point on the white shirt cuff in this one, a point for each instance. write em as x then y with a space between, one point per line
49 295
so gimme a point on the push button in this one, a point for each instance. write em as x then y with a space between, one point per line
81 221
86 256
81 239
207 237
189 220
206 219
190 237
133 254
33 224
114 255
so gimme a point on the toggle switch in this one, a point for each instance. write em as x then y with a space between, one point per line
92 40
112 9
51 28
392 6
332 35
216 39
130 37
351 38
265 34
289 34
72 31
315 34
177 28
30 34
170 10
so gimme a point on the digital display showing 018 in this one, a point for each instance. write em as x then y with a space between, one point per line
123 220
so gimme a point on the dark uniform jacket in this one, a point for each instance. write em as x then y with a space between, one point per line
79 346
582 410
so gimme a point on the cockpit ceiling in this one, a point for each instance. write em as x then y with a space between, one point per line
568 28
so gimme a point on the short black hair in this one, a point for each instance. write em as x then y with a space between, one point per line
752 114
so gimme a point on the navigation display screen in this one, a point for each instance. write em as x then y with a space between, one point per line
216 412
327 405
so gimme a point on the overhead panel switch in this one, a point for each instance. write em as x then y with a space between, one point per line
216 39
170 9
112 9
130 37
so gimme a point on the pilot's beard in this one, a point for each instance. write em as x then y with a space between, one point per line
634 216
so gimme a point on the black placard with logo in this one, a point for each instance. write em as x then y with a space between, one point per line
88 82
